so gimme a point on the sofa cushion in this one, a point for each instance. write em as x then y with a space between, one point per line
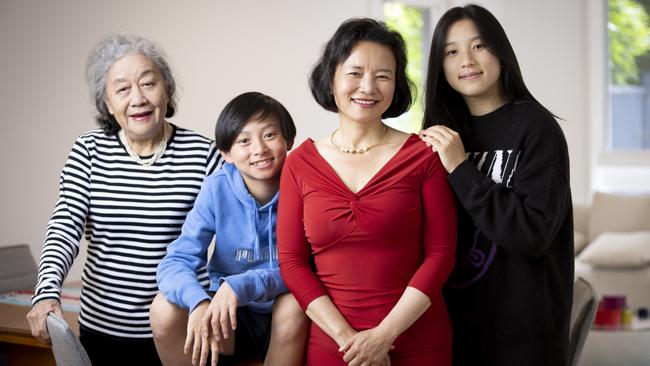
618 213
579 242
618 250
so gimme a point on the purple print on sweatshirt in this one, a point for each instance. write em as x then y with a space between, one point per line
476 262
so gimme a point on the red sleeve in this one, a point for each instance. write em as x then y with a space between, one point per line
439 231
293 248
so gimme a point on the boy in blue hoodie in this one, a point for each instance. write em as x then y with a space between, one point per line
237 205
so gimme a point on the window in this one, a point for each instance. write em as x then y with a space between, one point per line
413 22
628 29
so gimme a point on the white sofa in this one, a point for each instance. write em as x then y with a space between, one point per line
612 244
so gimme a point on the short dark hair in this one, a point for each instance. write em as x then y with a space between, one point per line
241 109
339 47
108 51
443 104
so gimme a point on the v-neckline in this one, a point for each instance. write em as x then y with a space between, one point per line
374 176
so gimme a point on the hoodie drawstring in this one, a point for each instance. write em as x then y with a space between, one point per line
256 248
270 230
269 227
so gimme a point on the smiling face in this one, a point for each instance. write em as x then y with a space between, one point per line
136 97
258 152
364 83
470 68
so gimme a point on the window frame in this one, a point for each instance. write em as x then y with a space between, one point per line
599 88
612 170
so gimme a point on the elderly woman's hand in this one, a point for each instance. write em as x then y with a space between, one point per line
37 318
447 143
368 347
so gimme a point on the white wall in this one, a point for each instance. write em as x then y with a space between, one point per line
550 40
217 50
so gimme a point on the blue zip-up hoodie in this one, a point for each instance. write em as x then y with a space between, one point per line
245 253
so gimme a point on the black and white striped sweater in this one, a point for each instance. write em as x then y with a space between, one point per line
128 214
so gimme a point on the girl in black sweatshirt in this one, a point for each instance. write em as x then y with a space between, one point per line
510 295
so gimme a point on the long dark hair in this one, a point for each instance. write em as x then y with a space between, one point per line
443 104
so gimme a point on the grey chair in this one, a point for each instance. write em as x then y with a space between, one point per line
17 268
66 347
583 311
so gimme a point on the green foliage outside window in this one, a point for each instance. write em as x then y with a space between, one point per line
408 20
629 40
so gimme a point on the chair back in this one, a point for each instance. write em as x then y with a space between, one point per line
17 268
66 346
583 311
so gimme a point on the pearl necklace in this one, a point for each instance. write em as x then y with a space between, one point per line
356 150
160 150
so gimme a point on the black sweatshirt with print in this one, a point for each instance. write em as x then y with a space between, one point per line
510 294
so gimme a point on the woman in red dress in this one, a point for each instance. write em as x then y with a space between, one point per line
367 222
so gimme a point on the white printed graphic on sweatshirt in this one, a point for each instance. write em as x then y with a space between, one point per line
248 255
501 164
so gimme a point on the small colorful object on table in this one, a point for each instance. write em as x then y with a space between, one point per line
614 314
609 315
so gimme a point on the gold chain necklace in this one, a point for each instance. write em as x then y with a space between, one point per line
356 150
160 150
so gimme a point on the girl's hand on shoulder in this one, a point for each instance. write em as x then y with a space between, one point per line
368 347
447 143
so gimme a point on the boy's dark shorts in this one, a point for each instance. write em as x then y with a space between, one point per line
252 336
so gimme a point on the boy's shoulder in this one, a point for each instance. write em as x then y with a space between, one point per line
217 176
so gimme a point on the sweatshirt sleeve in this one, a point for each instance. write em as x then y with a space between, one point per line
525 218
293 248
66 225
439 232
256 285
176 273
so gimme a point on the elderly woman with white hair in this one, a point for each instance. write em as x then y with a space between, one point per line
127 188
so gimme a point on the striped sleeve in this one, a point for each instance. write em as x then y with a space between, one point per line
215 160
66 225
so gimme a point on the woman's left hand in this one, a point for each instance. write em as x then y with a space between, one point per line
368 347
447 143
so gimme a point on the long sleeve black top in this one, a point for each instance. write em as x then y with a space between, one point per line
510 294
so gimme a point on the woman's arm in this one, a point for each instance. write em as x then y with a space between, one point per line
64 231
293 248
295 266
328 318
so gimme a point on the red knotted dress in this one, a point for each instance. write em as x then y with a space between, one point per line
363 249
